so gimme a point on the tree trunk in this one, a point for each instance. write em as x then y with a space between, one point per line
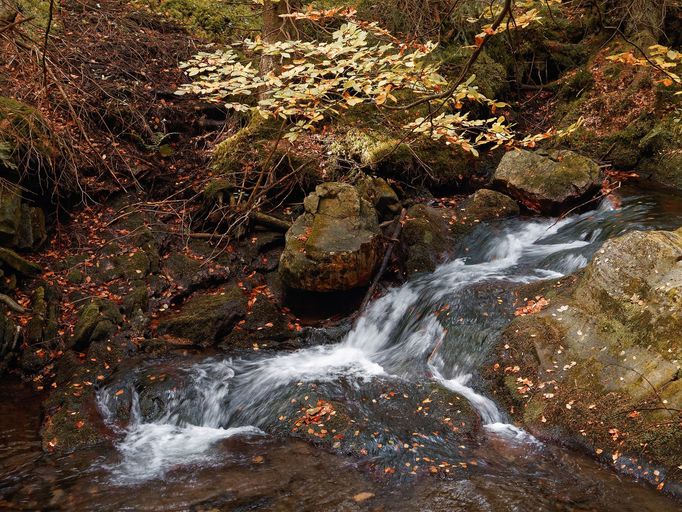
273 30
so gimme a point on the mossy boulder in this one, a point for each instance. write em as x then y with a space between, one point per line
205 319
662 153
26 141
486 204
9 340
21 226
335 245
42 330
423 162
32 232
547 182
260 145
425 238
96 321
601 366
116 264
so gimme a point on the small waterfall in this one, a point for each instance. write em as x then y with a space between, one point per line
399 336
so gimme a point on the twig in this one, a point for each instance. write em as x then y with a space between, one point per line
50 13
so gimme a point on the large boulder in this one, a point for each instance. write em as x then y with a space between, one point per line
547 182
335 245
602 364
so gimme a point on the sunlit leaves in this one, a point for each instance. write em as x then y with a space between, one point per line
316 79
665 59
358 64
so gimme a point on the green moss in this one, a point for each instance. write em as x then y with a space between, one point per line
662 147
206 18
491 76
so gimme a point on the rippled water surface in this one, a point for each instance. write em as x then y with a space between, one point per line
416 426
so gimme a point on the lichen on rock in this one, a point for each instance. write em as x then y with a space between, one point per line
549 181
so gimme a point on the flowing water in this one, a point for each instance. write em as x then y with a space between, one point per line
415 424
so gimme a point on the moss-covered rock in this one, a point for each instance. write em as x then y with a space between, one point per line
96 321
429 234
601 366
42 330
335 244
255 146
488 204
32 232
205 319
9 340
662 152
10 211
425 238
423 162
547 181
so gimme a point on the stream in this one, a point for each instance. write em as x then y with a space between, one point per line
405 413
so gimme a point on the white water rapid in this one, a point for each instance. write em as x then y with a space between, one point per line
398 337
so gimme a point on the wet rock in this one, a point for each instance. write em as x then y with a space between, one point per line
9 340
265 326
430 233
10 259
659 149
205 318
335 245
370 422
547 182
609 342
42 330
136 298
379 194
425 238
116 264
488 204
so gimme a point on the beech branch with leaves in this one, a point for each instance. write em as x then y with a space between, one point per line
360 64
